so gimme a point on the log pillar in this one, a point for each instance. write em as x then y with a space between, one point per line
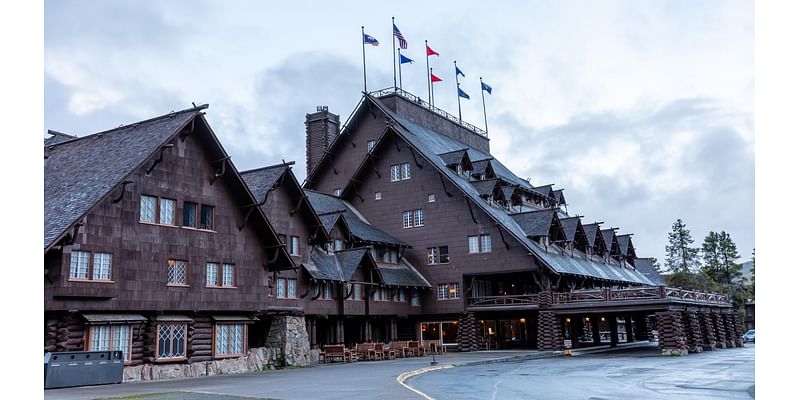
612 321
549 336
719 330
596 331
694 335
671 338
708 331
737 330
468 332
730 332
629 328
339 338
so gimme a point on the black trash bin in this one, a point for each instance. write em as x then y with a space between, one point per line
81 368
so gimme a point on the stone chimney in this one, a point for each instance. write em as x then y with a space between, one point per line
321 129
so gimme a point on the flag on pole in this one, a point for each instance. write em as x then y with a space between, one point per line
400 39
371 40
431 52
459 72
405 60
435 78
486 87
463 94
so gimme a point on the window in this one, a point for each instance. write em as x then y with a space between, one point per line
338 245
212 278
280 288
101 269
449 291
480 244
228 275
166 215
357 292
229 340
207 217
190 214
111 338
294 246
337 192
399 172
405 171
438 255
282 238
415 301
147 209
176 272
378 195
390 256
291 288
419 219
431 198
413 218
327 290
370 145
171 341
79 265
401 296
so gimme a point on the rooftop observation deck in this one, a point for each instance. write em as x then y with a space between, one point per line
436 110
631 298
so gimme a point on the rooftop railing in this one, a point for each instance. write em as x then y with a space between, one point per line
605 295
436 110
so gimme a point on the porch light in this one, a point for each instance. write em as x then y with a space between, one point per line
586 319
569 319
522 320
602 318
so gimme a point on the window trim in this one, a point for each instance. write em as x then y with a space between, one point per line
158 358
90 268
157 220
455 295
438 257
292 250
112 327
185 273
214 354
197 215
220 275
481 249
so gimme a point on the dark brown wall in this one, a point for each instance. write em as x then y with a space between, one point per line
140 251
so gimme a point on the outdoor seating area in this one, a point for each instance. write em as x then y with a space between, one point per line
372 351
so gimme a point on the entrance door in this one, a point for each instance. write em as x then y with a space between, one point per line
444 331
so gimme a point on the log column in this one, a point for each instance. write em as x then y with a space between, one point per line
730 331
671 339
612 321
719 330
737 330
694 335
707 328
629 328
467 332
549 336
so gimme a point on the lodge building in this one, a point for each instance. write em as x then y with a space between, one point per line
406 228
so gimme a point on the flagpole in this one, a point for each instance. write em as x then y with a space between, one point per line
364 59
400 68
428 69
394 59
433 103
483 99
458 95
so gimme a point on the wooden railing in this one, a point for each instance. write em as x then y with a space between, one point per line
604 295
503 300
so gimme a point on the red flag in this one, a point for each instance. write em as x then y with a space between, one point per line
431 52
435 78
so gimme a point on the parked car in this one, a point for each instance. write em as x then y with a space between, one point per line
749 336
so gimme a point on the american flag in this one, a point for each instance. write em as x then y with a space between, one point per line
400 38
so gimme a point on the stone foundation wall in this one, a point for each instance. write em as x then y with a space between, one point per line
257 359
288 336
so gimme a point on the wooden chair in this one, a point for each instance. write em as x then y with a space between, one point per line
413 348
385 351
366 351
400 348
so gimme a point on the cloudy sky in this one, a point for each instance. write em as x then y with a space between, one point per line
641 110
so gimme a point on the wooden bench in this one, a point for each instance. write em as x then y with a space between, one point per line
385 351
413 348
400 348
334 352
366 351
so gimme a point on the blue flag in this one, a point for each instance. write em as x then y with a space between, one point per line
370 40
405 60
463 94
486 87
458 71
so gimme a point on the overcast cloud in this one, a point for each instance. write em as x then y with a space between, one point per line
641 111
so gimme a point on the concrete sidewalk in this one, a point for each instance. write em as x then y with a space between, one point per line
365 379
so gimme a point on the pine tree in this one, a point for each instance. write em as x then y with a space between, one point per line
681 257
730 270
712 260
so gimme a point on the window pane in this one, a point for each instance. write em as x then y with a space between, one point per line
473 244
419 219
227 274
122 340
211 274
167 212
338 245
443 255
370 145
378 195
442 291
170 341
405 172
455 290
407 219
395 172
100 338
291 288
356 291
431 198
433 256
102 266
79 265
176 273
147 209
295 246
207 217
189 214
337 192
486 243
281 288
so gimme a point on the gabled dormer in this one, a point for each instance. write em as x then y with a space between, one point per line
543 226
482 170
490 190
459 162
574 233
627 252
543 196
611 243
596 246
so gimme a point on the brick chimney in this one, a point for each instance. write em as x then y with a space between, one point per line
321 129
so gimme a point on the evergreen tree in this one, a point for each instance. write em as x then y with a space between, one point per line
712 259
681 257
656 265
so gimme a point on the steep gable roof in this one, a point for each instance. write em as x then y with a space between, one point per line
570 225
262 180
485 187
559 196
626 245
330 205
610 240
82 171
401 274
429 144
536 223
57 137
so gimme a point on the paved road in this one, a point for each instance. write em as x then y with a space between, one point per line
365 380
629 374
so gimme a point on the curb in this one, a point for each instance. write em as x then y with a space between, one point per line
401 379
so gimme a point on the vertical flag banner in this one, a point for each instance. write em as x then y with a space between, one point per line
428 53
433 79
366 40
403 60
